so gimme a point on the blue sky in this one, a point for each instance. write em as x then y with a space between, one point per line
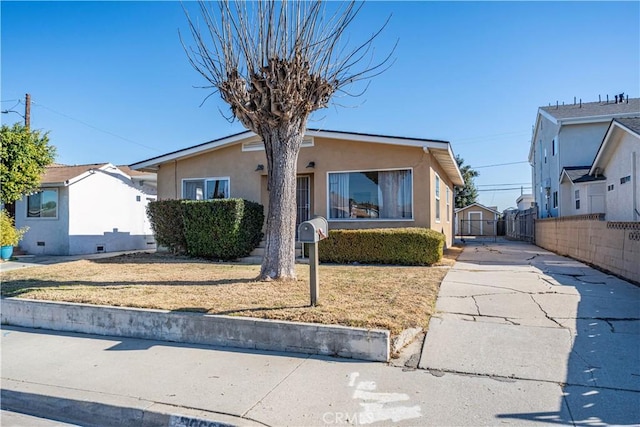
111 82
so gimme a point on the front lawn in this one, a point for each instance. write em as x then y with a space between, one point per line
387 297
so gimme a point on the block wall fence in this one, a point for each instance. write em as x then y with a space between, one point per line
611 246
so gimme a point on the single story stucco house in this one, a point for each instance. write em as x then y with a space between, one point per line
354 180
86 209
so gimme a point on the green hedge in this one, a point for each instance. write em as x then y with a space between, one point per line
167 224
402 246
217 229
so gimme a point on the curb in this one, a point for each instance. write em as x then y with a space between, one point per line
197 328
88 408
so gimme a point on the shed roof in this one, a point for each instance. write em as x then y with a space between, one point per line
578 174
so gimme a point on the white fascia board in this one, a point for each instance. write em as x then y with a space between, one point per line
408 142
153 163
88 173
603 146
548 116
592 119
534 137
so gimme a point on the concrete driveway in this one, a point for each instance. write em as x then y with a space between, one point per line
513 311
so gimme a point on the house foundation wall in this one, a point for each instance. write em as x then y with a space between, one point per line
611 246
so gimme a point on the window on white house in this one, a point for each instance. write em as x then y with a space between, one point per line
368 195
205 188
437 193
555 199
553 147
448 205
577 197
43 204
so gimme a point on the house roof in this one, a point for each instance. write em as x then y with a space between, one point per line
477 205
587 112
591 111
61 174
441 150
630 125
578 174
58 174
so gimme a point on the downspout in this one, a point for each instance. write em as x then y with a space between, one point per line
634 172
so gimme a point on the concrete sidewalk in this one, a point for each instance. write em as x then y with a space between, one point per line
521 337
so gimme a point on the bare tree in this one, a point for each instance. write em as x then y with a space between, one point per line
274 63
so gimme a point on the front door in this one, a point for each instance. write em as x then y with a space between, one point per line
303 199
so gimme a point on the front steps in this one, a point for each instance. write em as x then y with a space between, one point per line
256 256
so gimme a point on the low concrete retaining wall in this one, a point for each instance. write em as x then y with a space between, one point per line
612 246
195 328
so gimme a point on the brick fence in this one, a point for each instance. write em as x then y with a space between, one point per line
611 246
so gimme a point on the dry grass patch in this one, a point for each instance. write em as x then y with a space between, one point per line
385 297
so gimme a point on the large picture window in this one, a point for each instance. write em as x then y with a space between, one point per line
43 204
205 188
371 195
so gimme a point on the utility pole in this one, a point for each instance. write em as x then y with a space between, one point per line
27 111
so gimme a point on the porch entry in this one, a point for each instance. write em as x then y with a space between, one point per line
303 199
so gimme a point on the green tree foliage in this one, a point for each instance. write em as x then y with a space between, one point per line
24 155
468 194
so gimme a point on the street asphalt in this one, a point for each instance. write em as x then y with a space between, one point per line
520 337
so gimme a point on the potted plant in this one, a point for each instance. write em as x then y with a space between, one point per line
9 235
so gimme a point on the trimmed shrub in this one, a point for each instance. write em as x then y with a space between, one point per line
167 224
217 229
401 246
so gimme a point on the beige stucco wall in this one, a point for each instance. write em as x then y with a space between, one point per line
612 246
329 155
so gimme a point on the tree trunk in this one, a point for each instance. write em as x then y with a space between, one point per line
282 145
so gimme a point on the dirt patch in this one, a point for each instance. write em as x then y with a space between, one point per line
387 297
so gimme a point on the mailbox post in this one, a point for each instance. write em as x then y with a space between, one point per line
311 232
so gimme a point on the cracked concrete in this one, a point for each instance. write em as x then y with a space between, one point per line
513 310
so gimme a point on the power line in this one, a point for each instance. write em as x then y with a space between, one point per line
94 127
505 189
508 183
497 135
499 164
10 100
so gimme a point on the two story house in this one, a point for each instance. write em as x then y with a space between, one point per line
565 141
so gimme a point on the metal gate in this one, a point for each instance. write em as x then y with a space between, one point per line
521 225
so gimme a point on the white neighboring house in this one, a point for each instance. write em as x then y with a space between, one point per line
565 137
618 159
581 193
525 201
87 209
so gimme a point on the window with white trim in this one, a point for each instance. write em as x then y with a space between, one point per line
371 195
437 193
448 205
205 188
43 204
577 197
